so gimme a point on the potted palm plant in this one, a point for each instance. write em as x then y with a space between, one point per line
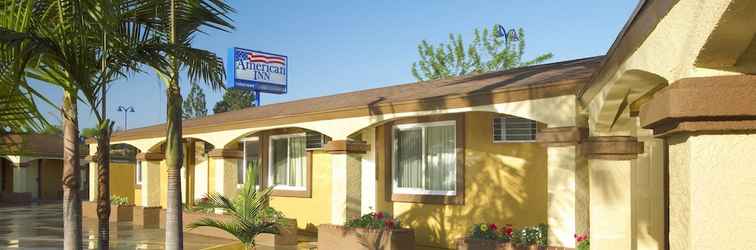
245 218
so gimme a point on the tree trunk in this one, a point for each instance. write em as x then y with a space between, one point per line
174 158
174 234
71 201
103 187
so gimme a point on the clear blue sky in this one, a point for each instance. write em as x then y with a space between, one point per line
342 46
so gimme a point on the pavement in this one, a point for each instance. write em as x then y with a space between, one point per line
41 227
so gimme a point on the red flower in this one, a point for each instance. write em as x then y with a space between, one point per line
508 230
492 226
379 215
389 224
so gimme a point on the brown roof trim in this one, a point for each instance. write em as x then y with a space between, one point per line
703 104
642 22
526 83
561 136
612 147
347 147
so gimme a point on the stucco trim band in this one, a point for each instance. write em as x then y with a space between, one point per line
561 136
346 147
612 147
226 153
703 104
150 156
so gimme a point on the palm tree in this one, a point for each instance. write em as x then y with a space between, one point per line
63 45
249 213
181 20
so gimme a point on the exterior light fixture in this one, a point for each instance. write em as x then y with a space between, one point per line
126 110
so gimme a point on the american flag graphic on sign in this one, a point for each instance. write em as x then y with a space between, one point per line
259 71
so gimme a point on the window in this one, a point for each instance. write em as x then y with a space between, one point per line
138 172
288 161
315 140
513 129
251 160
425 158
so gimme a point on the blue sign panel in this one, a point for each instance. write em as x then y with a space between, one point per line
257 71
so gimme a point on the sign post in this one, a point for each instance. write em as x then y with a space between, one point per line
260 72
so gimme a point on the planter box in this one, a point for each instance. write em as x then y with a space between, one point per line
117 213
120 213
339 237
478 244
286 237
16 198
146 216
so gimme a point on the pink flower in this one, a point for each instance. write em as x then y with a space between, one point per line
492 226
379 215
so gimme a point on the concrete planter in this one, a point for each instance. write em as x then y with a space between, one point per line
15 198
120 213
286 237
339 237
117 213
478 244
146 216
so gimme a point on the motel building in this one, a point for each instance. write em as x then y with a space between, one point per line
650 146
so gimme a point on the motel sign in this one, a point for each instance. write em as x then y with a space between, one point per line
257 71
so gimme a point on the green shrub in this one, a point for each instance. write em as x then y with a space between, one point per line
535 235
119 200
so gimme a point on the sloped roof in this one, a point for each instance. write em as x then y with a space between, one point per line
38 145
428 95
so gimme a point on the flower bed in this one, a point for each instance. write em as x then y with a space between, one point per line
490 237
371 231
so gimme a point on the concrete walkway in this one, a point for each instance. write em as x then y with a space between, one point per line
41 227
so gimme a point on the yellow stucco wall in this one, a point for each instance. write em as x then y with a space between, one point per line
122 179
310 212
137 195
50 180
712 185
505 183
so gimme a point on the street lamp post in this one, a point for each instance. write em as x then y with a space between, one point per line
126 110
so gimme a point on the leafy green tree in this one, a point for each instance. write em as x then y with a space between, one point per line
89 132
195 104
234 99
486 53
81 47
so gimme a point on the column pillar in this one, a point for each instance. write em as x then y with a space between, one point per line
92 172
150 178
709 126
346 164
223 169
567 184
610 161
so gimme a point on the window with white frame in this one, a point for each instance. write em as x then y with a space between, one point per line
138 172
251 160
513 129
287 161
425 158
